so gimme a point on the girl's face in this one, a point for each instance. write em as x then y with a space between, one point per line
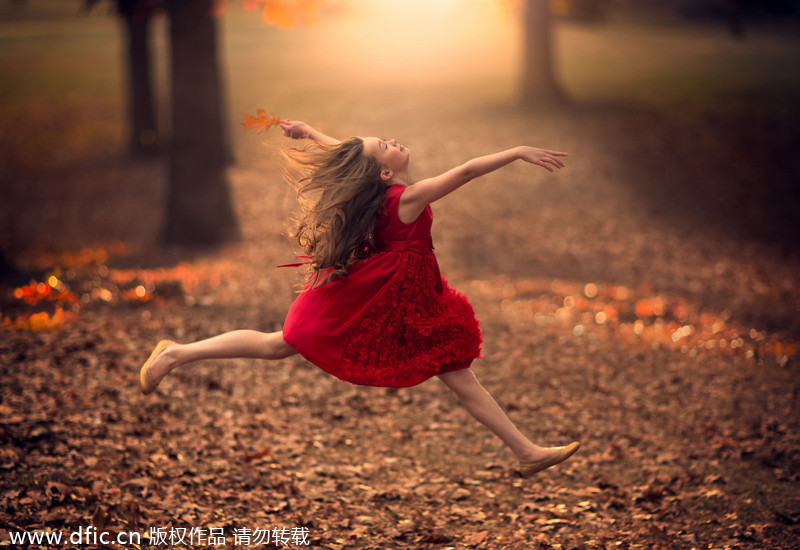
392 156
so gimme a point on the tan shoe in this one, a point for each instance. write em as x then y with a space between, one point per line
560 454
146 380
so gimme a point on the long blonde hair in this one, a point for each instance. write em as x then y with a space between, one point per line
340 192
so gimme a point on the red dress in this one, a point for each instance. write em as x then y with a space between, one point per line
393 321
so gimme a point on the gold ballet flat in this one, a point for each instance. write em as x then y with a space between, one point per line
560 454
146 380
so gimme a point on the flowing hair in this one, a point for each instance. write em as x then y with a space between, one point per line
340 192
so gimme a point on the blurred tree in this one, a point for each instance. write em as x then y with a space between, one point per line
136 16
199 206
539 84
735 15
6 268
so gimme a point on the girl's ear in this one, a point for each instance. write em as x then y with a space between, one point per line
386 175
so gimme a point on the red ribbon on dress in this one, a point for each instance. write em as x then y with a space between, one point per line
416 245
298 264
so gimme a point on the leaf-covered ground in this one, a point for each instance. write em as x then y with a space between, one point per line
643 301
669 353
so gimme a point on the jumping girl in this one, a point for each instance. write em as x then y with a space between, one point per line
375 310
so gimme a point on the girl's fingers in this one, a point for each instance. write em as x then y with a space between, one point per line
555 161
552 161
547 161
547 158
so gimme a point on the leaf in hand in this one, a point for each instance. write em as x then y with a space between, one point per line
262 122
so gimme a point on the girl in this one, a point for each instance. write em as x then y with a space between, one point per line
375 310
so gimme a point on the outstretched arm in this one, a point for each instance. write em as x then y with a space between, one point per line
296 129
418 196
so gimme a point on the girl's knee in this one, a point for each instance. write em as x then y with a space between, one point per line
461 381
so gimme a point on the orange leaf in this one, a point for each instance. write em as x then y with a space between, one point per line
287 14
262 123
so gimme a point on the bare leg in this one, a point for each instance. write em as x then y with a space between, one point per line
237 344
481 405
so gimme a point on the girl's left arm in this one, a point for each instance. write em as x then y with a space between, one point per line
416 197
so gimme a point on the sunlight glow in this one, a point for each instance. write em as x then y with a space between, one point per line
397 41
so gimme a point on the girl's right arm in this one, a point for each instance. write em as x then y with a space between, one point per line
414 199
296 129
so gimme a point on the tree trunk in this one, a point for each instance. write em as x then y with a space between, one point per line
199 208
539 84
6 268
141 105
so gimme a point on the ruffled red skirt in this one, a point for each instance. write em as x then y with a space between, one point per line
393 321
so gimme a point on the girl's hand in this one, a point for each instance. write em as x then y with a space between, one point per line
542 157
295 129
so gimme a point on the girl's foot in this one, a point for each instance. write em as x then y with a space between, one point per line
546 458
152 372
